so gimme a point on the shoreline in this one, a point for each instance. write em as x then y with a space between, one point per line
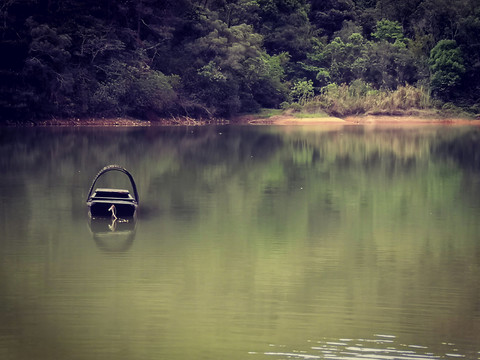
403 120
280 120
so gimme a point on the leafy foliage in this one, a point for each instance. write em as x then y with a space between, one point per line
446 66
209 58
302 91
390 31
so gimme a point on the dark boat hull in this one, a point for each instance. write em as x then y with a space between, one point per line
99 208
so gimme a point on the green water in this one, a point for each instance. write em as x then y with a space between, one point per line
338 242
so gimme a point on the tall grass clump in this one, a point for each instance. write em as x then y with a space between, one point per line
361 98
404 98
343 100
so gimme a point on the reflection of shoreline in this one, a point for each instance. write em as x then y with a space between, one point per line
408 120
113 235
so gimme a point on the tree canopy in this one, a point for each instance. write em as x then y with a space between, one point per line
219 58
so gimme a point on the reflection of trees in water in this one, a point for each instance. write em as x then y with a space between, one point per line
49 153
299 197
14 204
60 149
204 161
464 150
315 230
173 165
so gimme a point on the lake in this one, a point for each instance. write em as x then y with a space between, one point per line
251 242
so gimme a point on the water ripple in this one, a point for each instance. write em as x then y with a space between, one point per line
381 347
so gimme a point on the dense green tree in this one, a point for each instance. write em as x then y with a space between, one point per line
390 66
286 27
333 62
385 63
443 19
468 40
391 63
15 95
135 90
403 12
302 91
231 67
329 15
345 61
447 69
264 80
390 31
46 65
237 12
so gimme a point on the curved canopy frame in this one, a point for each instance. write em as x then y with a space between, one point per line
114 168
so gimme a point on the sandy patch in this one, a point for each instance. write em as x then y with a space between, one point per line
408 120
363 120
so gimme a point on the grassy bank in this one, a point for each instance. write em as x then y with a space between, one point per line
359 98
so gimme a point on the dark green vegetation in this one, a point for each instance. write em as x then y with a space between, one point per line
219 58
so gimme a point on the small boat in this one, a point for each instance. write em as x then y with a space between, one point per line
103 202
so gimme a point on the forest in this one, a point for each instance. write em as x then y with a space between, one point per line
152 59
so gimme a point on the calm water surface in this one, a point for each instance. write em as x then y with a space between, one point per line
251 243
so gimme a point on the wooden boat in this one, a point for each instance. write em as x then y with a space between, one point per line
103 202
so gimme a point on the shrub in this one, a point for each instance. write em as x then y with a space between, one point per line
302 91
134 90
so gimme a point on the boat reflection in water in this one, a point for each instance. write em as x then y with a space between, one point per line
113 235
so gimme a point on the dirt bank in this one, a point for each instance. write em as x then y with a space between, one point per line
362 120
118 121
94 122
253 120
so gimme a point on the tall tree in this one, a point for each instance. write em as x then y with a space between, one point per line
286 27
329 15
447 69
